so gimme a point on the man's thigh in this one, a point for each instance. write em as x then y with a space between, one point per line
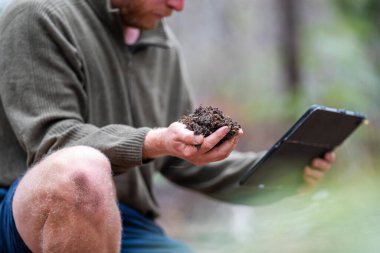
10 240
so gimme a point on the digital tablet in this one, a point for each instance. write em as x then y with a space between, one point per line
319 130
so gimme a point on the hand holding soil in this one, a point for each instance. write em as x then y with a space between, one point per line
206 120
205 136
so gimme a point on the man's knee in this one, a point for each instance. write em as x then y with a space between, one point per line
77 158
76 177
80 175
72 182
73 160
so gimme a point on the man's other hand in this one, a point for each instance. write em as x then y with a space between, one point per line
316 171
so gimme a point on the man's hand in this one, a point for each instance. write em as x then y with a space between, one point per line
178 141
315 172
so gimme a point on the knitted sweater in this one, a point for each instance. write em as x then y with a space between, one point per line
67 78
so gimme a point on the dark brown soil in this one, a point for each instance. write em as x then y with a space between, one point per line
206 120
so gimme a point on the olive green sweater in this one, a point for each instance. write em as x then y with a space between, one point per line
67 78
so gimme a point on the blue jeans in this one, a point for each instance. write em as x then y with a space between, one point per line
10 240
139 234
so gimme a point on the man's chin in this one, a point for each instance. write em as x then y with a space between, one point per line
152 27
145 26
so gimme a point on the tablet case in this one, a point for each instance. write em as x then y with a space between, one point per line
320 130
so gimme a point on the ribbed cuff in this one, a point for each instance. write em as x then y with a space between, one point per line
130 151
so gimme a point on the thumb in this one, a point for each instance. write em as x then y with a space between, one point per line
185 135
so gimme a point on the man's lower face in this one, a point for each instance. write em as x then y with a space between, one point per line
143 22
142 14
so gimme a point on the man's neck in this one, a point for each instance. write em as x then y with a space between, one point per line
131 35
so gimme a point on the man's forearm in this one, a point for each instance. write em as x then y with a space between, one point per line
153 144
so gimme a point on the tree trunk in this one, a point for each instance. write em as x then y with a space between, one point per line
289 44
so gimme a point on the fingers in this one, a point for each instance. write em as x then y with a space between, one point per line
311 177
227 146
325 163
213 139
330 157
311 183
184 135
314 173
321 165
199 150
222 151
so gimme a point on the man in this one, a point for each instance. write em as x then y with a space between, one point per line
89 92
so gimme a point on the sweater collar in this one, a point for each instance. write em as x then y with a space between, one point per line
156 37
105 12
111 17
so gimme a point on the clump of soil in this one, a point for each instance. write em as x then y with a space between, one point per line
206 120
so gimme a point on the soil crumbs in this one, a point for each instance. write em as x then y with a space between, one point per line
206 120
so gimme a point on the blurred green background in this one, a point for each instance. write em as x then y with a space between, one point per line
264 63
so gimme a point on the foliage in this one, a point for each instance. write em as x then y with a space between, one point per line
364 18
363 14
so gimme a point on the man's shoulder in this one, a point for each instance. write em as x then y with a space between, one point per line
29 10
16 6
35 7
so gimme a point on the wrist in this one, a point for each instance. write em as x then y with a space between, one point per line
154 144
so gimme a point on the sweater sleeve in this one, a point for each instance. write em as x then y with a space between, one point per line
42 91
